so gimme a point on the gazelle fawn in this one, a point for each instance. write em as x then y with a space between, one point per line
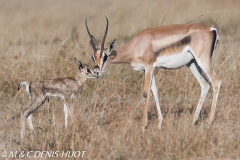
64 88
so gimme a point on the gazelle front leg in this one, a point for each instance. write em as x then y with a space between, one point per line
155 95
71 109
147 83
68 111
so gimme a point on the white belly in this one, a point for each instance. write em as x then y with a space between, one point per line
176 60
138 67
55 95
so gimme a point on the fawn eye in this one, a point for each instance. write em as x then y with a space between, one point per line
88 70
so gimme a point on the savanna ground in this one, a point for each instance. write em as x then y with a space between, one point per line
39 39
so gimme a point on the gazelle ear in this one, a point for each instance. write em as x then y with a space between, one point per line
92 39
78 63
111 46
93 42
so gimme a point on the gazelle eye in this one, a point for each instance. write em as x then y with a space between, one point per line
105 58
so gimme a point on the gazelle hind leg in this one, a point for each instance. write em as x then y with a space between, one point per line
22 126
26 114
197 72
30 124
155 95
23 118
22 121
216 83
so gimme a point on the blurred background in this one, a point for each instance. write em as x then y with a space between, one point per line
39 39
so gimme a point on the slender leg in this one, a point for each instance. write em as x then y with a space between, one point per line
216 83
30 124
155 95
216 88
66 112
70 109
147 83
26 114
197 72
22 126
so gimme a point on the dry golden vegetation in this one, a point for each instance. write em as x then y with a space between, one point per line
39 39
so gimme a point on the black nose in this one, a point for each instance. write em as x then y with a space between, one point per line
97 74
96 67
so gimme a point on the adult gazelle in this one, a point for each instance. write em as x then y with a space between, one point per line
170 47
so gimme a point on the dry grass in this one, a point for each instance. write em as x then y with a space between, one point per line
34 45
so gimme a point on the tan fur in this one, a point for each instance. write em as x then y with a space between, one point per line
172 47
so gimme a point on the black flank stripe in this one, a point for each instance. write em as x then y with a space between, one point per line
186 40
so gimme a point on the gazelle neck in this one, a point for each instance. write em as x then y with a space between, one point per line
121 55
80 78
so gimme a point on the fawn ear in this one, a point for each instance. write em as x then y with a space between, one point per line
78 63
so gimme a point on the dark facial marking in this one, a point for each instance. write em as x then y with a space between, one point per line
96 67
93 58
105 58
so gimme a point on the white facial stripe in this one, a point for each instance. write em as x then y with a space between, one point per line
93 58
102 60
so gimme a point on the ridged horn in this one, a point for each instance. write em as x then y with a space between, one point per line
93 40
105 34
